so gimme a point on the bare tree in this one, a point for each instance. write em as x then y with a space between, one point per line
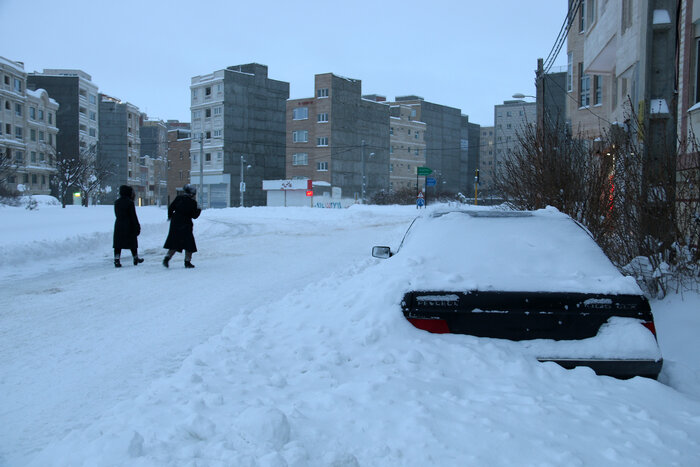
91 183
8 170
69 172
628 193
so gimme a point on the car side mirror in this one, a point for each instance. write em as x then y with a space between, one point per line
381 252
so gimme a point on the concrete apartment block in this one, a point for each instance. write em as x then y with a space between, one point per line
487 160
179 143
119 148
330 134
510 119
27 130
407 148
443 135
238 125
470 144
154 155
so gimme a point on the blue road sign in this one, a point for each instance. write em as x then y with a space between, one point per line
430 181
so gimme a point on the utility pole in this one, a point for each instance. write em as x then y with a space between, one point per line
363 171
242 186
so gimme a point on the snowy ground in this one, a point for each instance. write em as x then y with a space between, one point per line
286 346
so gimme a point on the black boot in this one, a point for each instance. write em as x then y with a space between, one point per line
117 263
137 260
188 265
166 261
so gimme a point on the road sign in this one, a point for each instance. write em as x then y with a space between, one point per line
422 171
420 195
430 181
420 202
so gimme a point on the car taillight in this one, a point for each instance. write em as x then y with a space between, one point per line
436 326
650 326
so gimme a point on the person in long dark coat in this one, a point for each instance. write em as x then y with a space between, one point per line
126 226
180 214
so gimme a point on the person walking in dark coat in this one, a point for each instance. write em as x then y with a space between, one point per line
180 214
126 226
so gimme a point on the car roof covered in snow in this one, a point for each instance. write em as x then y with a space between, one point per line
487 249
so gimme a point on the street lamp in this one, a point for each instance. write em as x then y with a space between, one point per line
518 95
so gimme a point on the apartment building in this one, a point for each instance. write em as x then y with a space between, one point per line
27 131
238 134
179 165
487 160
443 142
510 120
154 155
407 148
119 148
470 144
339 137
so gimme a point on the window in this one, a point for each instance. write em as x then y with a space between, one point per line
8 106
50 118
569 72
322 118
43 180
219 156
413 112
300 158
409 131
7 80
207 113
391 130
42 157
93 99
33 179
322 166
207 157
218 110
509 126
93 133
590 12
417 134
32 135
19 156
626 21
18 85
32 157
18 110
18 132
93 115
300 136
208 135
41 136
41 114
300 113
391 150
585 88
8 129
597 90
322 92
582 17
32 113
51 136
194 94
196 114
217 133
417 152
322 141
509 114
207 91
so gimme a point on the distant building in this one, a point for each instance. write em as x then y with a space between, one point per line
238 128
119 148
443 137
470 142
336 136
179 142
407 149
154 155
487 159
27 131
510 120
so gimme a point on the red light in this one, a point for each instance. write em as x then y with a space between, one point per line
650 326
436 326
309 193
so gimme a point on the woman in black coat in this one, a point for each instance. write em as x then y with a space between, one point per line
126 226
180 214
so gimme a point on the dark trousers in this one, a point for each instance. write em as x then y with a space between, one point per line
118 253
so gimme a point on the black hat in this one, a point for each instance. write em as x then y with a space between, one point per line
190 189
125 191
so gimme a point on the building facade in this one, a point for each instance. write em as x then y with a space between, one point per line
444 152
119 149
487 160
510 120
407 149
470 144
27 132
339 137
179 165
238 134
154 155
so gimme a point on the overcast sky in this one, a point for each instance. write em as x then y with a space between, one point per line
460 53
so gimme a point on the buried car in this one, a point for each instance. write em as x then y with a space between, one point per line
535 277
